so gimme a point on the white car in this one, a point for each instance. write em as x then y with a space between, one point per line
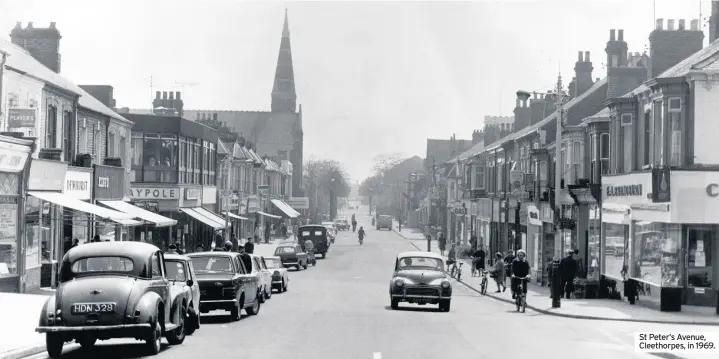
331 228
181 273
265 282
280 276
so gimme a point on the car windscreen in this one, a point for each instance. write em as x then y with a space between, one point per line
97 265
420 263
212 264
273 263
176 271
285 250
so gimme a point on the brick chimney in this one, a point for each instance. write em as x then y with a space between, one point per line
539 108
43 43
103 93
714 22
622 75
522 112
583 74
670 46
171 102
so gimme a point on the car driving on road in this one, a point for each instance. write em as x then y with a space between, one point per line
419 278
292 255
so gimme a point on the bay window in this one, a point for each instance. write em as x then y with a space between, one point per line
604 152
577 167
593 156
675 134
658 134
160 152
137 155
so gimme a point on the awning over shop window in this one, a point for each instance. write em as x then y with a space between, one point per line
268 215
207 221
285 208
137 212
212 215
232 215
78 205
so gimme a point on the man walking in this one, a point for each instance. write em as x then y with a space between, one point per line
249 246
568 270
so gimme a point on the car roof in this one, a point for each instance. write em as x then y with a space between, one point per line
212 254
174 256
132 250
420 254
313 226
272 257
288 244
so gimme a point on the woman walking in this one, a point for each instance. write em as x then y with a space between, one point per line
499 273
441 243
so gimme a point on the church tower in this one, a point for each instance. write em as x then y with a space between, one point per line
284 97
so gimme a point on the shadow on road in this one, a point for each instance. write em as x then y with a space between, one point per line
218 318
413 309
133 350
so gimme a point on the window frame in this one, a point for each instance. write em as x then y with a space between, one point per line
604 162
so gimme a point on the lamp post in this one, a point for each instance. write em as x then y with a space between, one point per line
559 98
227 194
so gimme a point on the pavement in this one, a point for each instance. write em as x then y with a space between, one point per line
340 310
592 309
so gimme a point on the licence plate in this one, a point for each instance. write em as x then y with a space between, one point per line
422 301
83 308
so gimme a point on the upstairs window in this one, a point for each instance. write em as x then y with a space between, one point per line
593 155
111 145
647 138
676 152
479 178
51 127
658 134
627 142
604 152
67 137
577 168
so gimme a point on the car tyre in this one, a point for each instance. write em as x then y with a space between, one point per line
324 255
235 314
177 336
444 305
86 343
284 286
54 343
268 294
193 322
297 267
154 338
261 296
255 308
394 304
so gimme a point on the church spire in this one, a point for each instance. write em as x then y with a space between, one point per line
284 98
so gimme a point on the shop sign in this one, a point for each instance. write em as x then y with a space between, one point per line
523 216
627 189
109 182
459 211
46 175
299 202
13 157
209 195
192 194
533 215
155 193
78 185
516 181
546 215
694 197
21 117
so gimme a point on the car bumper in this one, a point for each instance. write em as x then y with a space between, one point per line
290 264
427 297
277 281
223 304
103 328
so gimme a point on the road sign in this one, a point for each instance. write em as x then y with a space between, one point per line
263 186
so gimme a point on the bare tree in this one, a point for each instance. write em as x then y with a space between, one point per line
325 179
385 162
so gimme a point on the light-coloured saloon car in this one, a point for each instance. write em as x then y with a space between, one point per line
265 276
182 276
419 278
280 276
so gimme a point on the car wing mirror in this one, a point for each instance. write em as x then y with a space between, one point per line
190 282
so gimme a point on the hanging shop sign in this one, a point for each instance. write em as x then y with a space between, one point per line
661 185
13 157
21 117
78 185
109 182
192 194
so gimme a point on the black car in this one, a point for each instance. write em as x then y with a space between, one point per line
318 235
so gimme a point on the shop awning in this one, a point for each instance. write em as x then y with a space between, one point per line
207 221
285 208
232 215
212 215
268 215
137 212
78 205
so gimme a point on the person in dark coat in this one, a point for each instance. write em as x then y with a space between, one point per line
249 246
568 270
441 243
246 259
478 257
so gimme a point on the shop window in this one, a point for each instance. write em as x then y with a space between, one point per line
616 249
604 152
51 127
160 158
38 225
700 245
656 253
594 234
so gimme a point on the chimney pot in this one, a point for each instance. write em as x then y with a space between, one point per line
18 25
579 57
612 35
694 25
586 55
29 25
670 24
53 24
157 95
164 95
177 95
172 95
660 24
620 34
682 24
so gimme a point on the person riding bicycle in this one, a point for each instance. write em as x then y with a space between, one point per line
520 269
478 259
452 258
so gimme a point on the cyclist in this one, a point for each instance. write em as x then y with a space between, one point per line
478 260
520 269
452 258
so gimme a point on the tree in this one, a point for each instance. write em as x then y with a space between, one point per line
325 180
385 162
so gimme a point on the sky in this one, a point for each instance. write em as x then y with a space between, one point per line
372 77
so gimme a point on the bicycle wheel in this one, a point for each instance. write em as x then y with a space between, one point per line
483 289
524 304
518 303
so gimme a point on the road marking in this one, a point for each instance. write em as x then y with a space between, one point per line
377 355
357 277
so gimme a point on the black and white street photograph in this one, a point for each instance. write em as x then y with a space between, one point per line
264 179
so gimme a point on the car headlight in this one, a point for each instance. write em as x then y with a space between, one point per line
398 282
445 284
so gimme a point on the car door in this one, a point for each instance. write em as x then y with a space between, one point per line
195 286
267 271
240 278
302 255
159 282
248 284
256 270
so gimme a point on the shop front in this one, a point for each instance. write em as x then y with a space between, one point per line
534 230
546 238
77 224
14 154
484 219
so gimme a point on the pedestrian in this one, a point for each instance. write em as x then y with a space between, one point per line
249 246
441 243
479 256
498 273
179 249
473 242
258 232
268 231
568 270
233 239
96 238
75 242
508 259
172 249
246 259
520 269
283 231
199 248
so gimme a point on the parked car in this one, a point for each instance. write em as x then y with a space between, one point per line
113 290
280 276
342 224
332 227
225 284
319 235
259 267
384 221
182 276
292 255
419 277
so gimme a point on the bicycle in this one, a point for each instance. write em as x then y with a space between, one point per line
520 298
483 285
456 272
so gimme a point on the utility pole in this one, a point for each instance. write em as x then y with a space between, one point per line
227 194
399 204
558 168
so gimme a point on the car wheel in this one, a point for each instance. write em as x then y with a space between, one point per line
395 304
154 338
268 294
193 322
177 336
235 314
54 343
324 255
86 342
284 286
444 305
297 267
262 295
255 308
